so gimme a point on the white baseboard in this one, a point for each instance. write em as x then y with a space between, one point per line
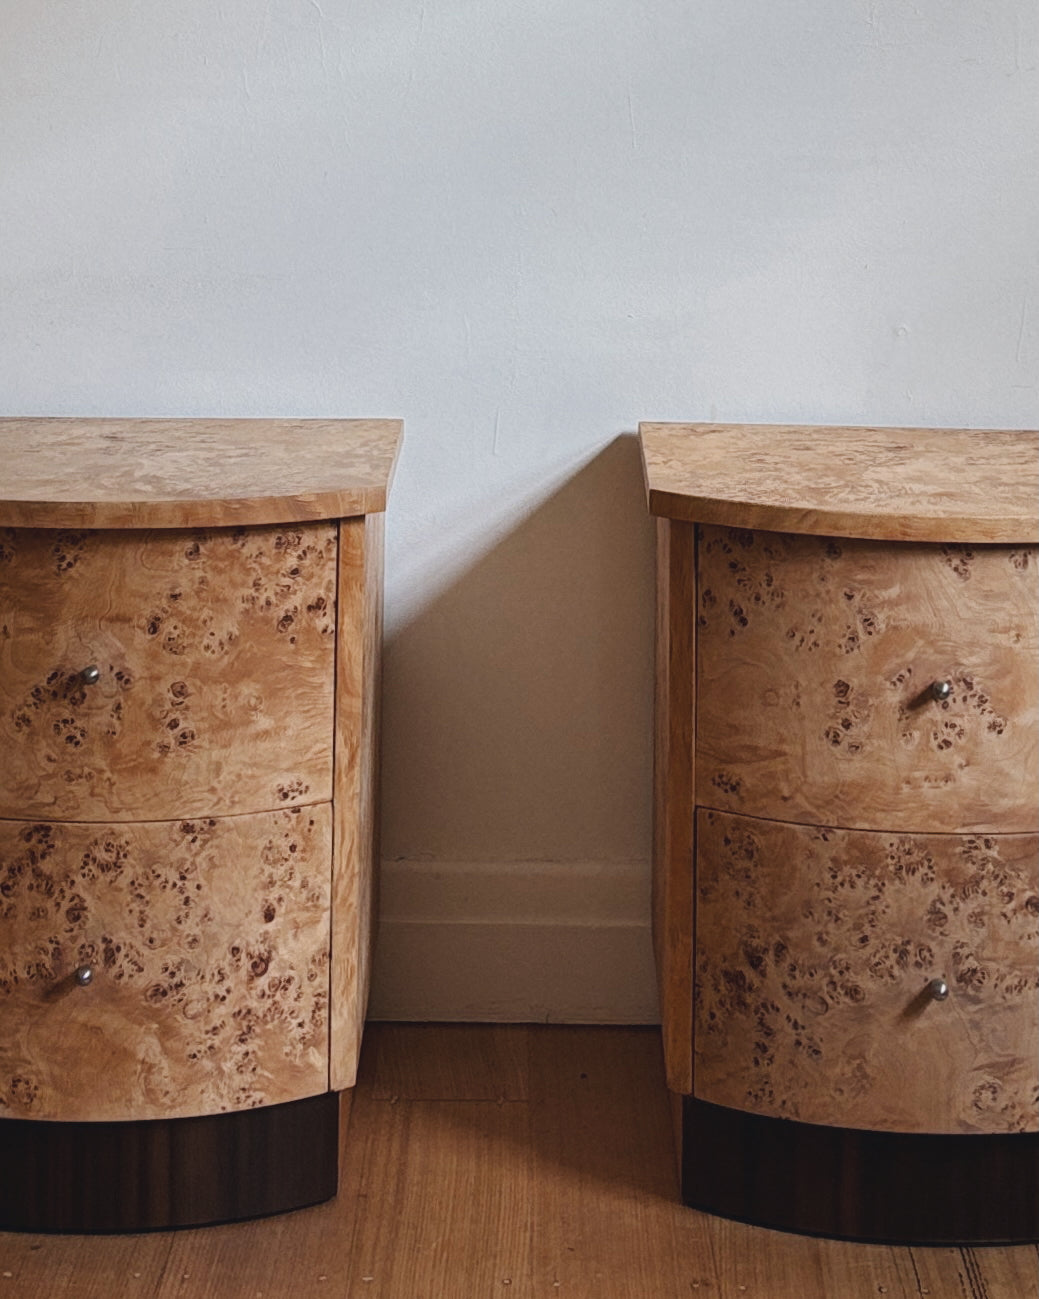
514 942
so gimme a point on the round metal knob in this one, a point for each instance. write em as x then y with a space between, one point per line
91 675
941 690
84 976
938 989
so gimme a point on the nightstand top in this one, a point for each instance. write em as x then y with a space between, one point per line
192 473
899 484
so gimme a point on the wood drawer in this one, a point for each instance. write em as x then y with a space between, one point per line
215 654
815 658
815 949
208 945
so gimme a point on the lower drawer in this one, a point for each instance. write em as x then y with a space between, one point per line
163 969
816 952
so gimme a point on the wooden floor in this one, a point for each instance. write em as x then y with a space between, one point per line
504 1161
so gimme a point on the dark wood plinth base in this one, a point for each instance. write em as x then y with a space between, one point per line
898 1188
92 1177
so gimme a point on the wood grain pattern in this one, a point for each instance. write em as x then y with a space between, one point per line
582 1172
881 1187
977 1273
815 659
192 473
161 1173
215 650
208 939
354 883
673 820
898 484
449 1062
814 950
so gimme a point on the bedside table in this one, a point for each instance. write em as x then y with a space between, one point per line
190 624
846 860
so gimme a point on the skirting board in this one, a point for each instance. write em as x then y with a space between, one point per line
514 942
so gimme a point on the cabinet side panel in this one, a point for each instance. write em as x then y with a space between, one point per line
673 795
356 855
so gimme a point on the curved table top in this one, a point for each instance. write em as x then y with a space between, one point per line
898 484
192 473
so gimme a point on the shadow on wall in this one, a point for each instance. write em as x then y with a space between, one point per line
517 721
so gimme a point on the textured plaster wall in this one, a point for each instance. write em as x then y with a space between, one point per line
522 227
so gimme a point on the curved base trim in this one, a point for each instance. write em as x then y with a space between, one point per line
156 1174
886 1187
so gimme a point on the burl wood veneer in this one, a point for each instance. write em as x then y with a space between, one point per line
817 657
810 944
210 646
190 624
208 940
846 860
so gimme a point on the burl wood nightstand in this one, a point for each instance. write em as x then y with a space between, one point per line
846 901
190 623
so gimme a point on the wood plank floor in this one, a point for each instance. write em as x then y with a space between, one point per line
503 1161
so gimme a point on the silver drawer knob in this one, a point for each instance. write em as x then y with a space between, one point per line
941 690
938 989
91 675
84 976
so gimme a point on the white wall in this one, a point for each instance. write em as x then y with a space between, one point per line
522 227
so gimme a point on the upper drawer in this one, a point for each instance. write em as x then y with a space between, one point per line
213 654
816 659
